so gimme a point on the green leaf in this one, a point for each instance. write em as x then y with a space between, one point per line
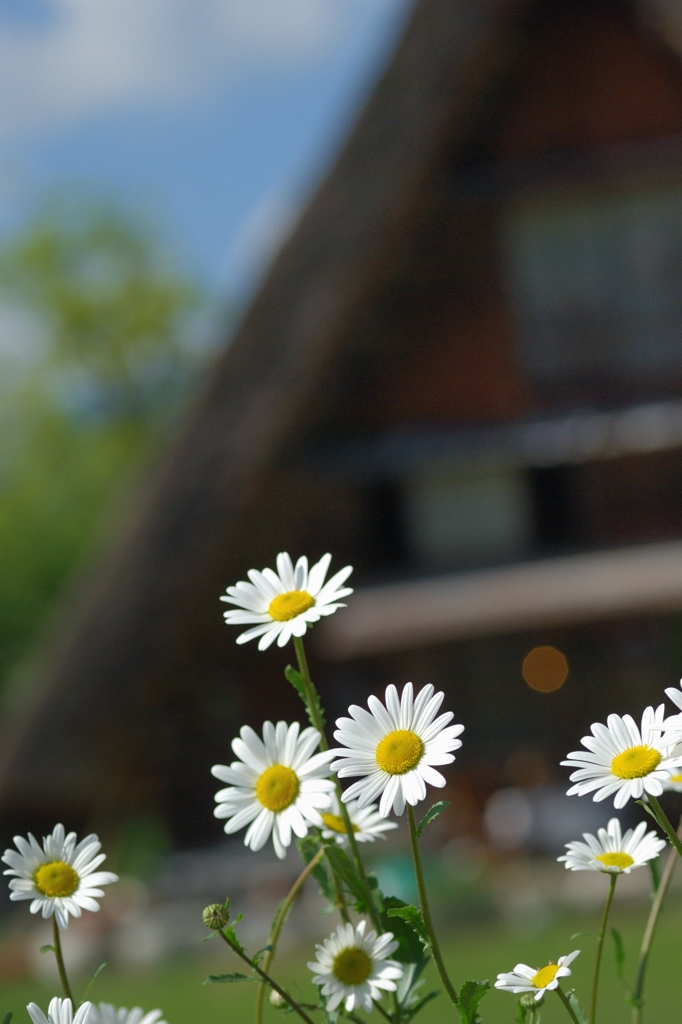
308 847
47 949
7 1018
412 1011
93 978
618 951
229 979
649 809
230 934
432 814
415 920
256 956
655 872
410 949
576 1007
294 677
344 868
373 882
619 956
470 996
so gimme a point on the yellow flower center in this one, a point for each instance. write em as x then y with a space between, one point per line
288 606
635 762
616 860
56 879
336 823
544 976
352 966
277 787
676 778
399 752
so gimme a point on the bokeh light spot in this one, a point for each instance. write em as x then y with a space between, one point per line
545 669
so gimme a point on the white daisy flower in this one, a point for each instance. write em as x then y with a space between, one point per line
59 1011
530 979
675 695
674 783
367 823
613 852
626 761
61 878
352 966
276 786
284 603
395 748
105 1013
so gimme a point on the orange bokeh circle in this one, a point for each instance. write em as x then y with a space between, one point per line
545 669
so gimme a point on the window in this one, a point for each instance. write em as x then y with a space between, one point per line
596 285
466 519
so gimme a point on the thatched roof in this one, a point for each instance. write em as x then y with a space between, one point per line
112 713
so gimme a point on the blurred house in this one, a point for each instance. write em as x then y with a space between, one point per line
463 375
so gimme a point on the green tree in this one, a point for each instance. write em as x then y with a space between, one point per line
109 367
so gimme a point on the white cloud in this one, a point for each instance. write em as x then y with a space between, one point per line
95 56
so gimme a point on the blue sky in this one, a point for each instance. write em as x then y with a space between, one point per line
215 116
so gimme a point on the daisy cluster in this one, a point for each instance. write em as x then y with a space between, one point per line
280 786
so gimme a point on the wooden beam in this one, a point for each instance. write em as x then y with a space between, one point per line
558 591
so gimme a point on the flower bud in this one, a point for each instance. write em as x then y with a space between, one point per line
215 916
529 1002
276 999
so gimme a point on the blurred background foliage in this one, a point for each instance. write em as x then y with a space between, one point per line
102 339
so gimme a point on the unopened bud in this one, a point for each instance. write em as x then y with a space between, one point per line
276 999
529 1002
215 916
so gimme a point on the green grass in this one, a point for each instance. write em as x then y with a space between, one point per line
475 952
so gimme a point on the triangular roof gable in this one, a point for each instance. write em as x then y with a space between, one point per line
131 619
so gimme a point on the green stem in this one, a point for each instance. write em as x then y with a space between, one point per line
649 931
564 999
56 938
310 691
311 694
426 912
600 945
664 822
386 1016
359 866
268 980
312 703
278 924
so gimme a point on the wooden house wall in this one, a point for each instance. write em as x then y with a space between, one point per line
429 340
586 76
433 342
